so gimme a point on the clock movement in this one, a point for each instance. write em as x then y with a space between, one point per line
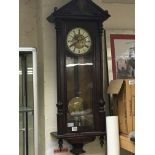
80 102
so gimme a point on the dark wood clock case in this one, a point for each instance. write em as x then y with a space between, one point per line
85 14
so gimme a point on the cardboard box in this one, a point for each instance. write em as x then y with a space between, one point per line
123 92
126 144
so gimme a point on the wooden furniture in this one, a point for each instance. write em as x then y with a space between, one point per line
123 92
126 143
80 103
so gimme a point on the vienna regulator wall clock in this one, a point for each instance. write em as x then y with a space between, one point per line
80 103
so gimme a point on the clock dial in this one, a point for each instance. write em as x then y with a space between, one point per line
78 41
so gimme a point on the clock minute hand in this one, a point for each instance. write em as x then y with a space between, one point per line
82 38
77 41
85 37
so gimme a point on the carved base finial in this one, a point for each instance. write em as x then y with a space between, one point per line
77 149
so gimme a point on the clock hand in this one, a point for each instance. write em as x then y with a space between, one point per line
82 38
74 43
78 40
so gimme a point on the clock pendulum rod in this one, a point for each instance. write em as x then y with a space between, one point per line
76 77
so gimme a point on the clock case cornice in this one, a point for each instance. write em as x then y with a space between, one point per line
79 9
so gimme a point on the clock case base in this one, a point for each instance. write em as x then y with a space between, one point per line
78 140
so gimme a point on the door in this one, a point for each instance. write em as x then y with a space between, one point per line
27 103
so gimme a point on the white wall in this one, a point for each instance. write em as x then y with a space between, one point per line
36 31
122 15
28 23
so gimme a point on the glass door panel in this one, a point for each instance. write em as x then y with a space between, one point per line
79 72
26 104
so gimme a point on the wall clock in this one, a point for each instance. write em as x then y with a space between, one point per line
80 103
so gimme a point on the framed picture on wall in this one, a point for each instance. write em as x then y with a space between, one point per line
123 55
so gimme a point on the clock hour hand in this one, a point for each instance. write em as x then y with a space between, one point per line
74 43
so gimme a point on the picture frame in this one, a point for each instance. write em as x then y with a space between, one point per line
123 55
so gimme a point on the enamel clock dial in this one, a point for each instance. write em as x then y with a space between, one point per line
78 41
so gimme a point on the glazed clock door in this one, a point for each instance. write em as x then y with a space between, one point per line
79 71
